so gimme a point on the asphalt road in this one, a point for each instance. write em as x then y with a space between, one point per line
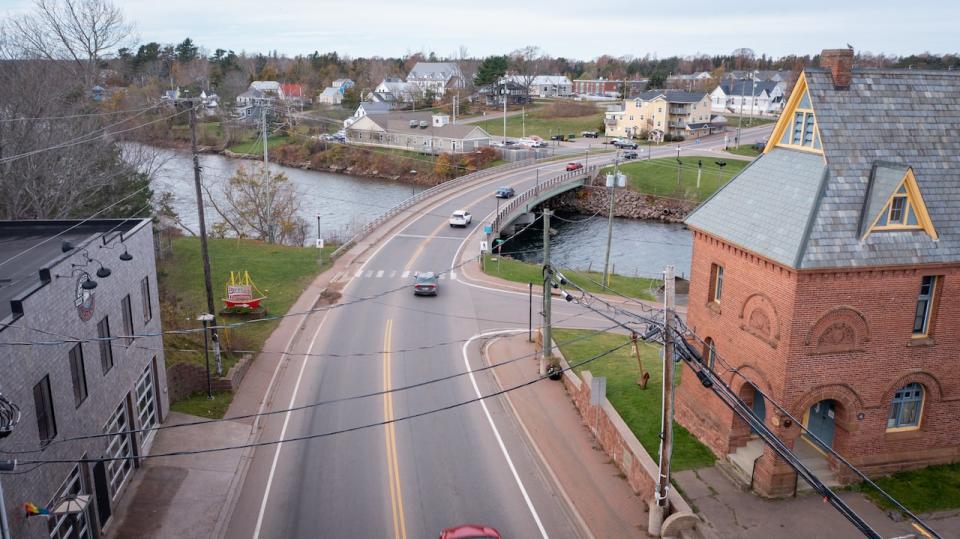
413 477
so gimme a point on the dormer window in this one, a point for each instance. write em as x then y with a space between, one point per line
797 127
904 209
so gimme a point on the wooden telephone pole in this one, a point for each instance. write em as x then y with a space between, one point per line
659 506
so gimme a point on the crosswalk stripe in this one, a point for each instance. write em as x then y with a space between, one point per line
442 276
359 273
393 273
379 274
369 274
453 276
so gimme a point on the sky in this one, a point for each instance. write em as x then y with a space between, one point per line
579 29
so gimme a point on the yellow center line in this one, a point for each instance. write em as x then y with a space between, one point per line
390 440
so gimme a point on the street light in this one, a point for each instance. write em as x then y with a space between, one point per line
586 158
537 189
206 318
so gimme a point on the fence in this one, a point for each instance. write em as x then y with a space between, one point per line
426 194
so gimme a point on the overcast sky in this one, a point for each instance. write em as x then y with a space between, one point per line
581 29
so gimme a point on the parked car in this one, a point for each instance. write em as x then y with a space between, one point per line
541 144
625 144
557 137
574 166
571 136
470 531
629 154
589 134
460 218
425 284
505 192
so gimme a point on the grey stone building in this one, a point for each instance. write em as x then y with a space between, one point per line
68 389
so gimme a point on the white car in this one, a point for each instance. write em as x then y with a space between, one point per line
460 218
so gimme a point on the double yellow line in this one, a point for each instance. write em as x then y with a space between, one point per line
393 465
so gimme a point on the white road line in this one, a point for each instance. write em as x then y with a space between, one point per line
359 273
405 274
424 236
496 433
453 276
369 274
393 273
379 274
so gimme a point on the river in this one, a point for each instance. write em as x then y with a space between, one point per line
343 202
639 248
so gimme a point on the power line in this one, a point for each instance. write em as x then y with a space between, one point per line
305 406
72 116
335 432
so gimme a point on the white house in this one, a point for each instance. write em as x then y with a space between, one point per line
436 77
269 87
544 85
748 97
367 108
333 94
417 131
394 89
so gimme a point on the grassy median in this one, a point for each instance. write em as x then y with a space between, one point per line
525 272
639 408
659 176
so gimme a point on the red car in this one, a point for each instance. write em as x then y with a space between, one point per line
470 531
574 166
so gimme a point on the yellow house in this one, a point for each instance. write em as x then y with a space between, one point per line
655 113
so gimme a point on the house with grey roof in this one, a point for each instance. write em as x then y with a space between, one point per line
423 132
436 77
395 90
825 280
656 113
749 97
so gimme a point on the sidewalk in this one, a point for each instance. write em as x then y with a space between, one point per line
737 514
594 487
181 496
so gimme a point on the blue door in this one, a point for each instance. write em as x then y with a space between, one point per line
759 408
821 421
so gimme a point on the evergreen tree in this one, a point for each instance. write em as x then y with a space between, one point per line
490 70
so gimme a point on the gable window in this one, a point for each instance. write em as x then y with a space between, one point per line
905 209
922 315
106 346
906 408
127 312
145 299
43 402
716 283
797 127
78 375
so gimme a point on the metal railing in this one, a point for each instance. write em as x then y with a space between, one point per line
522 198
428 193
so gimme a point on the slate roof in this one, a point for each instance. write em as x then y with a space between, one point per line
767 207
744 87
887 120
673 96
434 71
399 122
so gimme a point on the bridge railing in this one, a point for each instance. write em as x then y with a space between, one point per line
500 219
427 193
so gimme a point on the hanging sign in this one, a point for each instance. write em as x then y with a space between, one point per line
83 299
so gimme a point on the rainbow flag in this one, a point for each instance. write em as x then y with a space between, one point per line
34 511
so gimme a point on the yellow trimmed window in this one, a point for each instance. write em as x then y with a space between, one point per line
797 126
905 210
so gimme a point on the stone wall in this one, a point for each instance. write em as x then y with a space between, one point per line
591 199
624 449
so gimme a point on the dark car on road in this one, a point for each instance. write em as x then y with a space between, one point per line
574 166
557 137
589 134
625 144
505 192
629 154
425 284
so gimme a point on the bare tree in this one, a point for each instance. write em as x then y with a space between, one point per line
526 64
78 31
251 202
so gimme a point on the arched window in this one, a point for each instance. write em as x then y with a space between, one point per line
906 408
709 353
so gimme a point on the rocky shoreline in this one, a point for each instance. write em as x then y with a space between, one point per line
592 199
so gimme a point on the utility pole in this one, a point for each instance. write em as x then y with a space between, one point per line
204 253
699 172
547 349
611 184
5 466
659 506
740 116
266 174
753 93
504 115
523 121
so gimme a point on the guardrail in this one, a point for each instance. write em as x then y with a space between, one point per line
520 199
427 193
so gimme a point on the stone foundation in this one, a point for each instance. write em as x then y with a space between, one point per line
591 199
185 378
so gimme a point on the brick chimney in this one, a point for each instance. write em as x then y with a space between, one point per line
839 62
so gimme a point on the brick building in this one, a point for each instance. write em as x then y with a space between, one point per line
68 389
827 273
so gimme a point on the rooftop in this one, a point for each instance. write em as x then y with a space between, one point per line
28 247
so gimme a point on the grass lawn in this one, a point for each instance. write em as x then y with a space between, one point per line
732 121
659 176
744 149
198 404
205 131
543 127
523 272
280 272
255 146
928 489
639 408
